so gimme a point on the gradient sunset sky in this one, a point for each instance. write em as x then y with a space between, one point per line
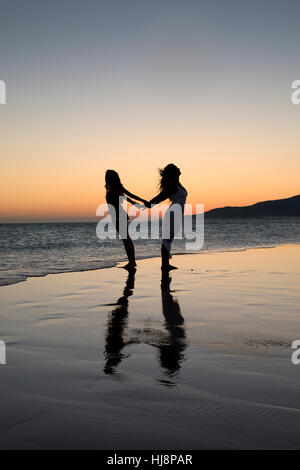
134 85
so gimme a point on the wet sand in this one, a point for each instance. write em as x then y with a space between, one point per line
200 360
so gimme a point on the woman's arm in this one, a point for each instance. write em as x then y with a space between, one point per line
133 196
159 198
164 194
131 201
122 191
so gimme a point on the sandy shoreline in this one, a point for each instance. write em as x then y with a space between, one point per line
99 360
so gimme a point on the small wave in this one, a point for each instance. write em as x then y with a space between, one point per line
36 250
15 278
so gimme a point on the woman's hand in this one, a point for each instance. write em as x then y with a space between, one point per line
140 206
143 201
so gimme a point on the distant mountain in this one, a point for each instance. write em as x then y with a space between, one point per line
289 207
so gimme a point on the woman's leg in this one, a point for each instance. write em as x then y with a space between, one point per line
129 248
168 237
164 258
128 244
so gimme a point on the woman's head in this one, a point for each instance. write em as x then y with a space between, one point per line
169 174
112 179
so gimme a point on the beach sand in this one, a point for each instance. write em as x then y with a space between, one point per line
103 360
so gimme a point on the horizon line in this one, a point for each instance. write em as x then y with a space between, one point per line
40 220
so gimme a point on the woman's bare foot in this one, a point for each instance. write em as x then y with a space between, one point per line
129 266
168 267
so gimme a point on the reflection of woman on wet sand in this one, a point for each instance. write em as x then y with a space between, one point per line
172 353
115 328
171 347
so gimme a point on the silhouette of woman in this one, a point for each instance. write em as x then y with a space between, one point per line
114 342
170 188
115 195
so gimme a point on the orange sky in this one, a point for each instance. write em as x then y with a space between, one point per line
62 175
151 89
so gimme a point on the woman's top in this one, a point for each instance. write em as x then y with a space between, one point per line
180 196
117 212
114 199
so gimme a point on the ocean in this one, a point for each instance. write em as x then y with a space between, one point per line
38 249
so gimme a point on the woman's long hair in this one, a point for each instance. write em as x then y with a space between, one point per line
112 179
168 174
